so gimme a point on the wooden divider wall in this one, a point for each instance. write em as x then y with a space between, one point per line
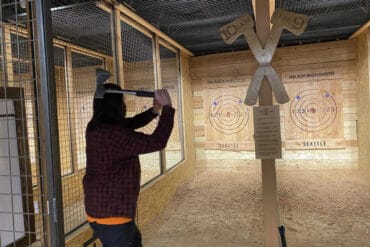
318 125
363 99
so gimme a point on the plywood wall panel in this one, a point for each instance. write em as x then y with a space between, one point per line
197 102
347 65
363 99
240 69
323 66
229 58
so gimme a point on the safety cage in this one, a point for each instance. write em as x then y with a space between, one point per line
49 53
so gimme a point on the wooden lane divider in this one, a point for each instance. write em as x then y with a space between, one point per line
263 46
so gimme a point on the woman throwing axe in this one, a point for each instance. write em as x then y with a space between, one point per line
112 181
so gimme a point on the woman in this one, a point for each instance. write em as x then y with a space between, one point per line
112 180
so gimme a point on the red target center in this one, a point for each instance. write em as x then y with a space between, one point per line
228 114
313 110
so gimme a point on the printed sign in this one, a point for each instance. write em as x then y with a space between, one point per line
267 132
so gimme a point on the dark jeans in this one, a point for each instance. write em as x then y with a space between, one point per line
118 235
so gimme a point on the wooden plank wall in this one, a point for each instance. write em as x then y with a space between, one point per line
321 67
363 99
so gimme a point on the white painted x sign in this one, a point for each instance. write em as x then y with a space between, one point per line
296 23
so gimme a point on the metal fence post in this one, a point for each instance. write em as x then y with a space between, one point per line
49 141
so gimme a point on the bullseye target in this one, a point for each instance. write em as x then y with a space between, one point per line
313 110
228 114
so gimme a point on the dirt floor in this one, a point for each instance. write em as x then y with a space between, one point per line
223 207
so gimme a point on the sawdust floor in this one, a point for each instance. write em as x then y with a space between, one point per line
223 207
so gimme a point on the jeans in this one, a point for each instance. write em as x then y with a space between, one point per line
122 235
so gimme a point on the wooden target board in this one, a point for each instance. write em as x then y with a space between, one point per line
229 122
314 115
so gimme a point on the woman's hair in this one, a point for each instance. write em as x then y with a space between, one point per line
109 110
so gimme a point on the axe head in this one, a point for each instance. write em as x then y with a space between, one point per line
101 77
230 32
296 23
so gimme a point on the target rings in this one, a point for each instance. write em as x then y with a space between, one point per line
313 110
228 114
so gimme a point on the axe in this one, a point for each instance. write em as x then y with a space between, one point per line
103 75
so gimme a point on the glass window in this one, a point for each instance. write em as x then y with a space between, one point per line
139 74
174 152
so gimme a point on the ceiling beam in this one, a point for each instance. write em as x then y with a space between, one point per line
360 30
135 17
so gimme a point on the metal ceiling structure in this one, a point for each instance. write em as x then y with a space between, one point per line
195 23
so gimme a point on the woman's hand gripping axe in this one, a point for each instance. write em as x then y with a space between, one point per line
103 75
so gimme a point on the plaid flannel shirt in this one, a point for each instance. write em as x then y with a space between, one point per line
112 180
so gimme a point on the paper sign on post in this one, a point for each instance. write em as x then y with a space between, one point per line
267 132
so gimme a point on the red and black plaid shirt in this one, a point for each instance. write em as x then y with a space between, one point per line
112 180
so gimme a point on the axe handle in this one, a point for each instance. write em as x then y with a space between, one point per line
282 235
140 93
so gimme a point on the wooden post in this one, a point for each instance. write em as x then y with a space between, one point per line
269 186
158 84
117 46
72 106
7 55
